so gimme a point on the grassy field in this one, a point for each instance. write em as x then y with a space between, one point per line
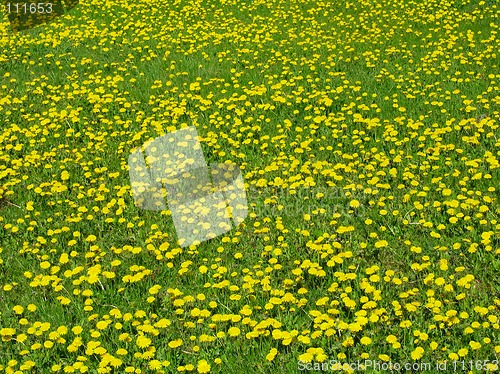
367 133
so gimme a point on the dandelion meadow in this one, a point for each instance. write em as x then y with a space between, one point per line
368 137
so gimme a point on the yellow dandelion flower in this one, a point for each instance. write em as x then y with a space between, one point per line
366 340
203 367
272 354
175 343
234 331
143 341
417 353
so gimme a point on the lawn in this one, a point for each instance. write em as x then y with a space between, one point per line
367 136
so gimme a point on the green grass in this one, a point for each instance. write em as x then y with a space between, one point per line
393 104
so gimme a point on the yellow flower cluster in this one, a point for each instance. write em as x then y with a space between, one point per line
368 138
